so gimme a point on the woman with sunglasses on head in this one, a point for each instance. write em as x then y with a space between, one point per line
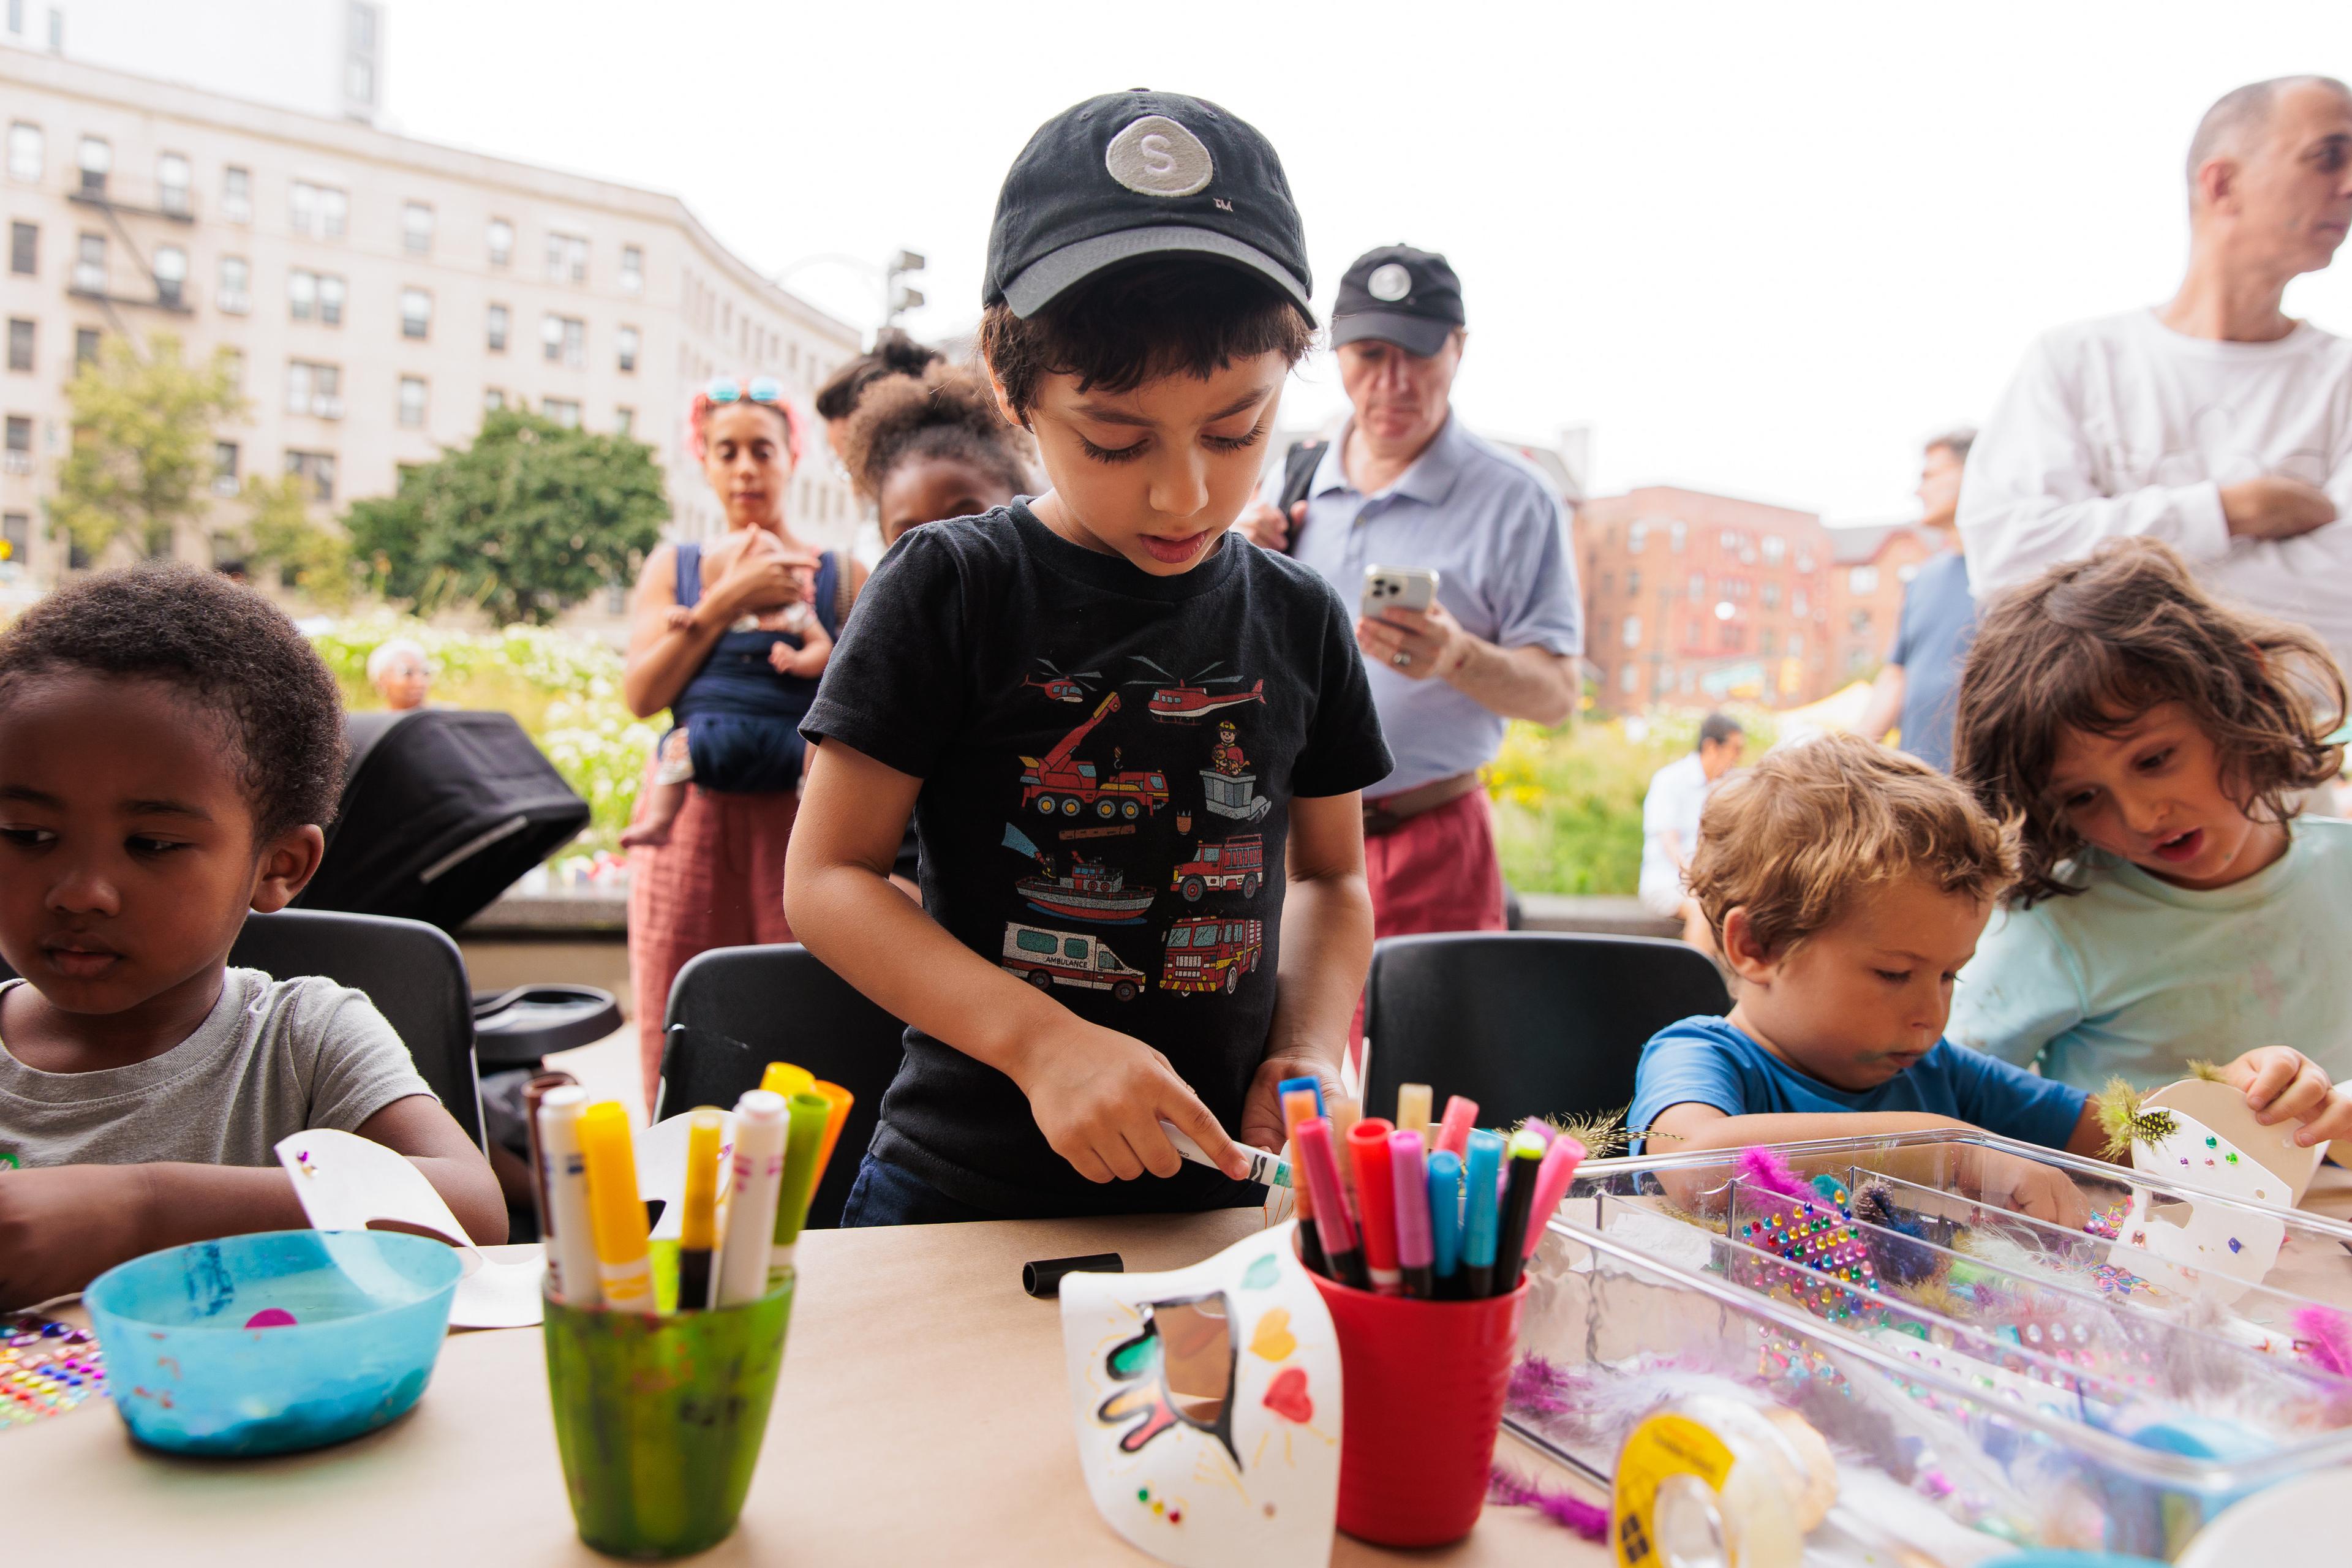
730 639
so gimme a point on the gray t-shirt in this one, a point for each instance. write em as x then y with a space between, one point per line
274 1058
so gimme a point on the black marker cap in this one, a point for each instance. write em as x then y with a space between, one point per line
1043 1276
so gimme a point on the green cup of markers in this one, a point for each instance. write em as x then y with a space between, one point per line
658 1417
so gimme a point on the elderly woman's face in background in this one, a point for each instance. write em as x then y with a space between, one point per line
404 682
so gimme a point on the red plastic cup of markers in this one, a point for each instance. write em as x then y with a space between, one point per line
1424 1384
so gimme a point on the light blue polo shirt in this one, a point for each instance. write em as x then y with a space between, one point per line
1498 540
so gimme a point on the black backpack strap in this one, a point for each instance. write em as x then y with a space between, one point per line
1298 471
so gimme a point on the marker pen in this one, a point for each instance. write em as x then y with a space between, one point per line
837 1102
1526 1164
1410 1182
1454 1133
1345 1112
1445 1222
619 1214
1559 1163
784 1079
808 1111
1298 1105
1412 1111
1268 1170
698 1235
1484 1168
532 1093
1318 1154
1368 1152
1312 1085
761 1123
571 1244
1541 1130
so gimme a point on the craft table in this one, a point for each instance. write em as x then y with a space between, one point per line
922 1416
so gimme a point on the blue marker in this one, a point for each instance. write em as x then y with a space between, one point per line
1313 1084
1480 1223
1445 1219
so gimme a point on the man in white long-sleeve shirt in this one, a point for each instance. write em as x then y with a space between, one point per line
2215 422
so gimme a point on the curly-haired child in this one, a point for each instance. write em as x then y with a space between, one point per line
927 447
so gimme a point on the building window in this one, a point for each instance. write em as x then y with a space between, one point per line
171 178
416 228
84 346
1857 621
1629 680
1698 586
237 195
322 211
1692 633
415 313
501 242
633 269
358 55
1797 604
15 535
411 401
16 18
25 151
24 247
497 328
56 31
171 275
96 161
1775 549
563 411
224 464
1637 534
1796 645
90 265
626 341
315 296
317 470
1805 562
20 443
1767 642
1633 584
1905 572
566 340
567 258
1862 580
314 389
235 295
1771 595
1632 631
493 400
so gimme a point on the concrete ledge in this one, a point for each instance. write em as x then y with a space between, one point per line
533 916
1602 915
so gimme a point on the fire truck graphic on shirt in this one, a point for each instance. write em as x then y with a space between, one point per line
1210 955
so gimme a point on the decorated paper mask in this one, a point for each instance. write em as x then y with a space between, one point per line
2230 1247
1207 1404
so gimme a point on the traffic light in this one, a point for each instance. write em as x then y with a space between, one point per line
902 297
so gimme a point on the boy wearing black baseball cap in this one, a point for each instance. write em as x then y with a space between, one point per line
1133 745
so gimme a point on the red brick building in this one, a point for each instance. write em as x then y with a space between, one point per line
1872 567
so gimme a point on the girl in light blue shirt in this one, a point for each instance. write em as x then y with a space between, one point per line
2154 746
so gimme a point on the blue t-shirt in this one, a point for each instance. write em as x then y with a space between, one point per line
1706 1061
1931 644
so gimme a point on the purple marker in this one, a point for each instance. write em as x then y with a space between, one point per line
1409 1181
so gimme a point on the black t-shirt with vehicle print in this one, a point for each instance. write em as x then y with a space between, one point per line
1108 759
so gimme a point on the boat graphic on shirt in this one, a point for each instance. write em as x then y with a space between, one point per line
1089 891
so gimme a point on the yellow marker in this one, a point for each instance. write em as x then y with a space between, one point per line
697 1235
618 1214
840 1099
784 1079
1413 1111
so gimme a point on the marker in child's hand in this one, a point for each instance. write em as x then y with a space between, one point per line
1272 1170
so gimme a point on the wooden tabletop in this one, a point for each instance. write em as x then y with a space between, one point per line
922 1417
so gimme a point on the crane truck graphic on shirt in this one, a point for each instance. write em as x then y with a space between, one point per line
1058 784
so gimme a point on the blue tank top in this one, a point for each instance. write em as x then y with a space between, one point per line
742 719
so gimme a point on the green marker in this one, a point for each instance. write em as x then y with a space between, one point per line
804 1143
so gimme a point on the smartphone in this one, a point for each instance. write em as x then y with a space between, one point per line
1398 587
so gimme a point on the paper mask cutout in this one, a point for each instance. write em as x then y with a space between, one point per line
345 1182
2203 1249
1207 1401
2226 1114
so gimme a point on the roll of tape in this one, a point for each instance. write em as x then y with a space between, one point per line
1715 1483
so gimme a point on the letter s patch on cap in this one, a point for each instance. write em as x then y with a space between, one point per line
1388 282
1157 157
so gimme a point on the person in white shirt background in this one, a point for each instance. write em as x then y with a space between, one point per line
1670 814
2215 422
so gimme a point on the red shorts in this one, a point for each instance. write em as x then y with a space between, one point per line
1436 872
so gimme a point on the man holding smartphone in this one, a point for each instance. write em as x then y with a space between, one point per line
1406 488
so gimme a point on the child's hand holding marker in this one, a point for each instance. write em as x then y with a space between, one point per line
1263 1125
1099 1097
2284 1085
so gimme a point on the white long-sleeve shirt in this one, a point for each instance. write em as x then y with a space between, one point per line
2125 427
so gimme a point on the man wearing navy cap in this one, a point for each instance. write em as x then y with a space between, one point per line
1406 485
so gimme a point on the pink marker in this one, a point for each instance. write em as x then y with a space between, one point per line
1409 1180
1453 1132
1341 1251
1559 1163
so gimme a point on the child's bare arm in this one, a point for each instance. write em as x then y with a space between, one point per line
1096 1095
1326 946
808 660
418 1127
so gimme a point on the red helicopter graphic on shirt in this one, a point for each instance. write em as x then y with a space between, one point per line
1181 701
1062 687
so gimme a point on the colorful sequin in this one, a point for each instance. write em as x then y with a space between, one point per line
47 1368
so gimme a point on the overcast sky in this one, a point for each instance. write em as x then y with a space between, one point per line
1758 250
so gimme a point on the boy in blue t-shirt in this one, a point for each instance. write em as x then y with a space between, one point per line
1847 885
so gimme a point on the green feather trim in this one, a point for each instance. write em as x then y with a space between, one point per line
2126 1121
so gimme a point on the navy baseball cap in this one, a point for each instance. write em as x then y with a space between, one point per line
1399 295
1139 173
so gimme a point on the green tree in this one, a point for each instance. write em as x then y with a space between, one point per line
281 532
142 443
530 520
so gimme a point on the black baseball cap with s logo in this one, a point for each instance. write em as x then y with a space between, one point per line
1139 173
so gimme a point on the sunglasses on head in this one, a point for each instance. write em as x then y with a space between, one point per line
759 389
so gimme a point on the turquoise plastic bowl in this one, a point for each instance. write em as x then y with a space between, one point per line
203 1359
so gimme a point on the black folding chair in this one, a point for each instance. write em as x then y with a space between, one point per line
733 1010
1525 1023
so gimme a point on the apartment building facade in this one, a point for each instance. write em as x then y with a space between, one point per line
1872 565
378 293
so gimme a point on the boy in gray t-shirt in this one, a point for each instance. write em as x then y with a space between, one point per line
169 747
